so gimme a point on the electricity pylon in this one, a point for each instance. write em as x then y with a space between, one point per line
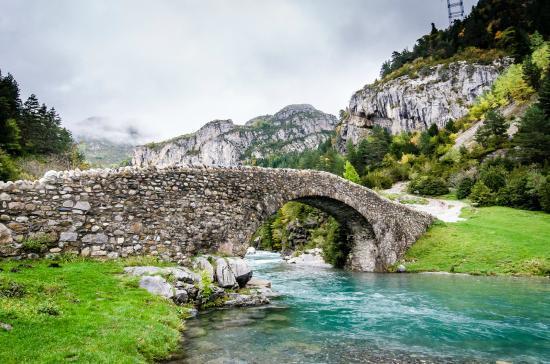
456 10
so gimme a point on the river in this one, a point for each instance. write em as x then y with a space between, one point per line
332 316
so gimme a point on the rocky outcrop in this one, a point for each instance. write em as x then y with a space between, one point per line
293 129
434 95
184 286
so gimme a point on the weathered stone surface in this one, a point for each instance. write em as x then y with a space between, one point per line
68 236
5 235
435 96
182 274
143 270
82 205
6 327
156 285
178 212
258 283
7 247
181 297
241 270
202 263
224 274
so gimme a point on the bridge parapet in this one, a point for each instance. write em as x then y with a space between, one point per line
177 212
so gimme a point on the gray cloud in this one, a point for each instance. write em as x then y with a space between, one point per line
167 67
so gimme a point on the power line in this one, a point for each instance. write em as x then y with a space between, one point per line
456 10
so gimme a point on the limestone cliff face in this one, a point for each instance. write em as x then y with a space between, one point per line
406 103
220 142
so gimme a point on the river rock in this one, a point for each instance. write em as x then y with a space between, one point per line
311 257
156 285
181 297
251 250
224 274
401 268
202 263
182 274
6 327
241 270
258 283
246 300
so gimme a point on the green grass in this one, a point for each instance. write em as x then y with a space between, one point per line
84 311
492 240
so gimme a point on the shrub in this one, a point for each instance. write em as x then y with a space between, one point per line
494 178
8 170
351 174
49 308
377 179
428 185
464 187
521 190
544 194
37 244
481 195
11 289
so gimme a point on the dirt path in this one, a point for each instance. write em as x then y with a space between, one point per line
445 210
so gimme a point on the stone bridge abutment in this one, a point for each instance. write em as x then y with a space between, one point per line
178 212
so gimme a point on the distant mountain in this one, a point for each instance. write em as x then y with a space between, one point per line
294 128
105 153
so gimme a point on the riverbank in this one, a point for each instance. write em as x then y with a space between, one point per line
489 241
82 311
127 310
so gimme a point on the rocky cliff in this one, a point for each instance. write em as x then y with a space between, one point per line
433 95
221 142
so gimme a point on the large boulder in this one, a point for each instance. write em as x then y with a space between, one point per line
202 264
181 274
142 271
224 274
241 270
156 285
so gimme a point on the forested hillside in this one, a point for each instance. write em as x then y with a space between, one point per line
508 161
32 139
503 25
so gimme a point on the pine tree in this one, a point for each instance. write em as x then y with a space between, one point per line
351 174
533 136
531 73
544 95
492 134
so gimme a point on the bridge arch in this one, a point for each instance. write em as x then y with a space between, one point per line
180 211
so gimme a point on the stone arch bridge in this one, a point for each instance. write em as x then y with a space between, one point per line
181 211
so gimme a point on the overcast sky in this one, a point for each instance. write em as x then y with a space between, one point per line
167 67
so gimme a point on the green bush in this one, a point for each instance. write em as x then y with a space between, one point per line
428 186
481 195
11 289
350 173
544 194
377 179
521 190
37 244
464 187
8 169
48 308
494 178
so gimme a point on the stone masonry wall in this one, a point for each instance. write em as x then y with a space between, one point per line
177 212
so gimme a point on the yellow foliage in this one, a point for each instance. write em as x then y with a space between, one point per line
541 56
415 139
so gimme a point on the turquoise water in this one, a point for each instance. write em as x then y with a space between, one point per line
332 316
